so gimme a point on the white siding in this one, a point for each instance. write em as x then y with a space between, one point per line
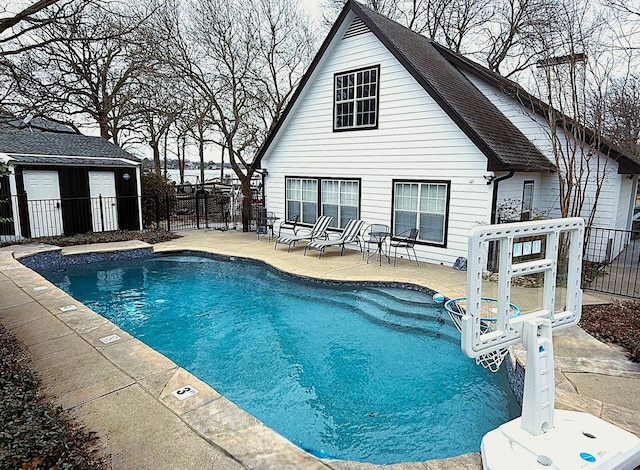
416 140
512 189
611 203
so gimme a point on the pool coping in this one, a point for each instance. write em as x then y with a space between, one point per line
223 425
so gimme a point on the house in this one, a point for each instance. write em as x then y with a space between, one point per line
63 182
392 128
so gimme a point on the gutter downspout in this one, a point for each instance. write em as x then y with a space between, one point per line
494 200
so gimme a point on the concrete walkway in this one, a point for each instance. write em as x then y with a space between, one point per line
122 389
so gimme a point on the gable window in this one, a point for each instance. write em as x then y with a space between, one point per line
356 99
527 201
310 197
423 205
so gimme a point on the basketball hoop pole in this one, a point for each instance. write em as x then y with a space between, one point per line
539 379
542 436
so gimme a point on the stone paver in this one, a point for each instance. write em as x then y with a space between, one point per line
123 389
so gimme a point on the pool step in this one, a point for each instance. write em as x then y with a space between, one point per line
408 311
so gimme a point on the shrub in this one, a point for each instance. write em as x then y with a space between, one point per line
33 432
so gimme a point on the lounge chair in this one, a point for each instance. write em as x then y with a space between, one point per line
319 230
407 241
350 234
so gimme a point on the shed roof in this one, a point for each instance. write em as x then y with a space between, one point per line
35 146
69 161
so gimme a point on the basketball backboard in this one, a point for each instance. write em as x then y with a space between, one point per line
513 251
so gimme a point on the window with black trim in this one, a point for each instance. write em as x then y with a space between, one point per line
527 201
356 99
423 205
302 199
339 198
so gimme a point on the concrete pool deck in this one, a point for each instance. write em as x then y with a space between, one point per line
122 389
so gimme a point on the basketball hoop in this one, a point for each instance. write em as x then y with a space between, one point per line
457 308
492 360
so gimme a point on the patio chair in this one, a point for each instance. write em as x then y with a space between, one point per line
319 230
350 234
407 241
264 224
290 224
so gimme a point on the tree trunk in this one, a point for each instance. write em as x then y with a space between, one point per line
156 157
201 155
247 204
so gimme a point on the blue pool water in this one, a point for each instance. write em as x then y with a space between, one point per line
373 374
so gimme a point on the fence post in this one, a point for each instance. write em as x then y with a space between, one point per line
197 211
206 208
101 213
166 200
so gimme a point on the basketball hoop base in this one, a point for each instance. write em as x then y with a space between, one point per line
577 441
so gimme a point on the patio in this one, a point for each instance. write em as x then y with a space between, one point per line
122 390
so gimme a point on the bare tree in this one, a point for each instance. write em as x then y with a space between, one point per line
86 69
573 78
18 27
158 109
623 112
628 6
199 127
511 35
244 59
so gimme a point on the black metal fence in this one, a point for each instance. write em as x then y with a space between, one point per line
22 217
611 261
195 208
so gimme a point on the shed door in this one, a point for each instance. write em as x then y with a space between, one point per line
104 206
43 201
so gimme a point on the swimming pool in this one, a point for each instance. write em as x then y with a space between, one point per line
352 372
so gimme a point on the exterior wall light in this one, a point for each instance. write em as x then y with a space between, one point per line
489 178
126 177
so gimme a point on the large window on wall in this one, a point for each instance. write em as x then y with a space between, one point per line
310 197
340 199
423 205
302 199
356 99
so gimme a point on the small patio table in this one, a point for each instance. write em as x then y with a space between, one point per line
380 238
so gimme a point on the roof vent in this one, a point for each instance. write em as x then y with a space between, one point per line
356 28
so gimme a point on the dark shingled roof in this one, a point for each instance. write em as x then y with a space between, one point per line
69 161
49 145
501 141
628 163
